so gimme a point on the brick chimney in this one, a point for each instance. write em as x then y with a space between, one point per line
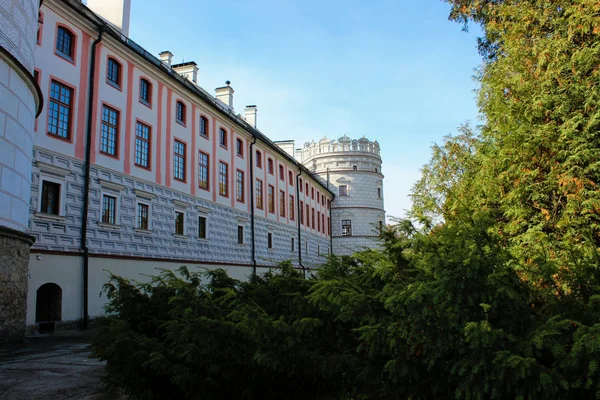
115 12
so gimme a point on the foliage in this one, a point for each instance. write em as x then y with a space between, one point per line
490 290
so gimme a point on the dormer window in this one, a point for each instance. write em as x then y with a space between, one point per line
180 113
113 73
64 43
145 91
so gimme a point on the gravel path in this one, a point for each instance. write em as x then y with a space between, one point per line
53 367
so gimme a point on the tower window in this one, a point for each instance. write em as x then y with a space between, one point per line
346 227
343 190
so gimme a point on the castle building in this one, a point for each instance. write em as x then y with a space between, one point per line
352 170
132 166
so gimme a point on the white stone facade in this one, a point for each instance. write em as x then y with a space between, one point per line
352 170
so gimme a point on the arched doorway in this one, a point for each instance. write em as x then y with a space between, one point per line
48 306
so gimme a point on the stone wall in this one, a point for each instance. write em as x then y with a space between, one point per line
14 261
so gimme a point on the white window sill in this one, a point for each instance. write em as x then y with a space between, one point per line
180 236
109 226
205 240
144 231
50 217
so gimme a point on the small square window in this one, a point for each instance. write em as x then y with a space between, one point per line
343 190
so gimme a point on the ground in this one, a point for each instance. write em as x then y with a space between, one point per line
53 367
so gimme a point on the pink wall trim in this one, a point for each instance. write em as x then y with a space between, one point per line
83 94
215 159
194 154
265 184
94 144
232 178
128 122
169 146
159 129
250 190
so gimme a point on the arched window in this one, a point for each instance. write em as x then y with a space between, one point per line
258 159
145 92
223 137
65 41
239 148
113 73
204 127
180 113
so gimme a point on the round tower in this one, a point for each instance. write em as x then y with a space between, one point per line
352 170
20 103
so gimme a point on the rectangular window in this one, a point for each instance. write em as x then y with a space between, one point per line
269 240
291 178
281 173
323 222
203 170
271 199
318 221
240 234
270 166
328 225
142 216
306 247
379 193
239 186
306 189
343 190
346 227
145 91
380 227
142 145
59 110
313 218
109 209
292 216
300 184
50 198
259 194
179 160
202 227
292 245
239 148
281 203
180 112
223 179
301 212
307 216
64 43
109 138
312 193
179 222
318 249
223 137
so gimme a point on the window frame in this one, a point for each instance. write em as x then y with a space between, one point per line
205 218
206 124
146 102
271 199
239 148
183 222
59 196
115 216
180 111
270 240
119 70
202 154
69 106
224 174
291 178
282 205
240 186
240 235
291 205
345 190
258 159
346 225
177 156
72 56
138 216
148 167
270 166
259 204
223 137
116 126
281 172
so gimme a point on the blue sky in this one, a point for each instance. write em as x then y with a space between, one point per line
397 71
